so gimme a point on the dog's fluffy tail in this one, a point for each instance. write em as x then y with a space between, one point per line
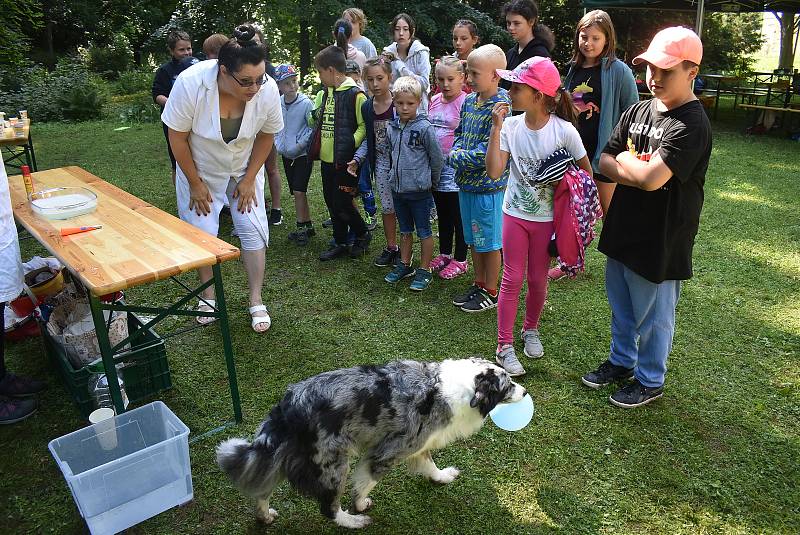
249 465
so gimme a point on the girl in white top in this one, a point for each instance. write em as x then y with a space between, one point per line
222 117
356 17
408 56
526 141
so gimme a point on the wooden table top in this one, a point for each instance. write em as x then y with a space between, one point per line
7 136
138 242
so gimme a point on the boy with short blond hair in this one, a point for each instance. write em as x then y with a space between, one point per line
480 197
658 155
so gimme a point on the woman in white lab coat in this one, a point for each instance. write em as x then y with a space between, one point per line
222 116
15 391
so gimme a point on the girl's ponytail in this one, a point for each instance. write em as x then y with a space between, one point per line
342 30
563 106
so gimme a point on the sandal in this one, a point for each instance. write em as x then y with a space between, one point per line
439 263
255 321
206 305
453 269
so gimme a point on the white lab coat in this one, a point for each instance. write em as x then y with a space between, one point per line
11 275
193 107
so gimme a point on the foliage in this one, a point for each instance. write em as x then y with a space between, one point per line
133 81
110 58
69 92
133 108
18 15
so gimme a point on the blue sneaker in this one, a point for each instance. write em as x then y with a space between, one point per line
422 278
400 272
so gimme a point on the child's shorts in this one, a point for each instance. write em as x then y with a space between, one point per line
413 210
298 172
482 219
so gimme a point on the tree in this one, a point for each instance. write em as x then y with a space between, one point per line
18 15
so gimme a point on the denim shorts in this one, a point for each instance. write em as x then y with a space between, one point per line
413 210
482 219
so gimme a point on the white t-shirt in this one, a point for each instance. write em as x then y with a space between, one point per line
527 149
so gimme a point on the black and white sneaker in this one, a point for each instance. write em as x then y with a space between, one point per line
387 258
481 301
606 373
275 217
463 298
635 394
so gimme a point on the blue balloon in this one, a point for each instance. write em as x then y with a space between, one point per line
513 416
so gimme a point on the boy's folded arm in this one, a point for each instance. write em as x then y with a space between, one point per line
469 160
627 169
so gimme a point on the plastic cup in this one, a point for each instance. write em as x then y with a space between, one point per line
23 114
104 425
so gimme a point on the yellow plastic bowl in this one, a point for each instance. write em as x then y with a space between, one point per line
49 287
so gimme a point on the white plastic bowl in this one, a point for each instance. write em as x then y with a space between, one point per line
63 203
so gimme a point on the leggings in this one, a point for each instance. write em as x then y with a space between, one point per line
450 224
523 242
344 214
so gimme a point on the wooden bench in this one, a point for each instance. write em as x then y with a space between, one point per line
756 108
707 101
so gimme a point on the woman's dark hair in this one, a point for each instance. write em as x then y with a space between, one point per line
331 56
412 27
242 49
342 30
527 9
177 35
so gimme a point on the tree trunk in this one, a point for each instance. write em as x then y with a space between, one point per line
305 49
786 58
48 37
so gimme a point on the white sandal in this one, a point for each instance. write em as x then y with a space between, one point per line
206 305
259 320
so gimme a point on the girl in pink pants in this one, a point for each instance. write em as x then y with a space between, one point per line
539 145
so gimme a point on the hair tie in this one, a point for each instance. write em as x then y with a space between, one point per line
340 30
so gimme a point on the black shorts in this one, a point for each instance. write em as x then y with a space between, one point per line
298 172
169 149
602 178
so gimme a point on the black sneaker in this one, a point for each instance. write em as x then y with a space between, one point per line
16 386
481 301
335 251
605 374
361 245
467 296
327 223
16 410
387 258
275 217
635 394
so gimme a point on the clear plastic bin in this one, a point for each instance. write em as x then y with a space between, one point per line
120 480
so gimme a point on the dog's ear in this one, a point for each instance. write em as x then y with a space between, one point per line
476 399
487 392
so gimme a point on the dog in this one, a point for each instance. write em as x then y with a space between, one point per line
390 413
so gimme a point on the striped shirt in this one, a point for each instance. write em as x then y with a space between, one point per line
468 156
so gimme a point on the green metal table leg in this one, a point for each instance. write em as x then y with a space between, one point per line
226 343
105 351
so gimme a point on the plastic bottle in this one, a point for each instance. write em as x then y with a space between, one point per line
98 387
28 179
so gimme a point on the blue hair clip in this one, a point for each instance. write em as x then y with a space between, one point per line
340 30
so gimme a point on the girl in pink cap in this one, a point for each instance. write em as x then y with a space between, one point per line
539 145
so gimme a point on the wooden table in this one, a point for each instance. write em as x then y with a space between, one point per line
138 244
719 78
18 147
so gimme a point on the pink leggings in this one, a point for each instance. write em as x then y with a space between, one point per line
523 242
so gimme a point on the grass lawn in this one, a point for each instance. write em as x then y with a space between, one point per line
718 453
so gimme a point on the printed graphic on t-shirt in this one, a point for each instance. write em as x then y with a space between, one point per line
581 104
381 140
645 134
522 198
328 118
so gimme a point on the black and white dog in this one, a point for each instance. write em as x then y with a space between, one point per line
391 413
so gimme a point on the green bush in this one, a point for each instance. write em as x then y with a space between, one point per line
132 82
112 58
133 109
69 92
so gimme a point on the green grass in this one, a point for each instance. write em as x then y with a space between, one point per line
717 454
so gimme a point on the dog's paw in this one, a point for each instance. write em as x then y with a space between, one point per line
267 517
359 506
346 520
446 475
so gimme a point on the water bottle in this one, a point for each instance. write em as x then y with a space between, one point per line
98 387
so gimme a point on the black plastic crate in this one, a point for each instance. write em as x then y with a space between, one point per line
145 372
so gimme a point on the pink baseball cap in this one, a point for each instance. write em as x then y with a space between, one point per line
538 72
671 46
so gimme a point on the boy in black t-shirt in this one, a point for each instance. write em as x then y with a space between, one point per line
658 155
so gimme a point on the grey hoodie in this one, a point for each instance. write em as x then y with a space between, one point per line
415 155
293 140
417 64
